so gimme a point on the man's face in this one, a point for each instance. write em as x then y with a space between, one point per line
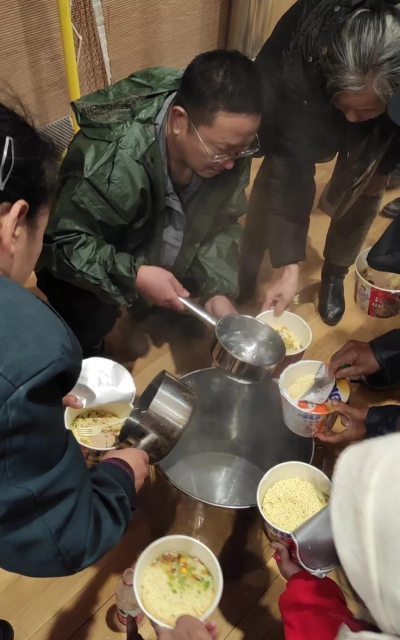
359 107
227 135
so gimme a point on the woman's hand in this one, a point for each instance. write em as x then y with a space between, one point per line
354 422
72 401
137 460
279 296
356 357
286 565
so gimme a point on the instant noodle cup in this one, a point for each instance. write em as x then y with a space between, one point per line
93 455
375 301
297 326
186 546
286 471
301 417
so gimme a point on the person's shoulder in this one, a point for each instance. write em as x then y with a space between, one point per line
32 335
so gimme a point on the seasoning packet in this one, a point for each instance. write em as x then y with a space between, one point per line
322 388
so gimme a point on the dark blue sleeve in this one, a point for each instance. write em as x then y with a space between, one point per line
381 421
386 350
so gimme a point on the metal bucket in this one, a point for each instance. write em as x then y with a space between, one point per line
207 486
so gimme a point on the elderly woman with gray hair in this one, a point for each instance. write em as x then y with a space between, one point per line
329 70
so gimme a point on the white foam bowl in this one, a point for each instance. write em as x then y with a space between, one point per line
184 545
293 323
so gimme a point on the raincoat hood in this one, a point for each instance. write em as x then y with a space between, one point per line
365 510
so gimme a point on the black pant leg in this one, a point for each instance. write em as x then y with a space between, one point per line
88 317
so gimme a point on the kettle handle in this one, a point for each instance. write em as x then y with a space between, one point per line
199 311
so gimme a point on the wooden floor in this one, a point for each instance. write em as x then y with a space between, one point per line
78 607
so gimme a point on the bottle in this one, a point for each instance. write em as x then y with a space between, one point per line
126 601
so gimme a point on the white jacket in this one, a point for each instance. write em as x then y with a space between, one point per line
365 511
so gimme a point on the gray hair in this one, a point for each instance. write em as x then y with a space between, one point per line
364 54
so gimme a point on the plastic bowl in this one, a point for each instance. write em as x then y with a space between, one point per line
184 545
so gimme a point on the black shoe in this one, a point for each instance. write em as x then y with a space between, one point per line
6 630
394 181
331 297
392 209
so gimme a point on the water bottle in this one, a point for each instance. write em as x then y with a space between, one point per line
126 601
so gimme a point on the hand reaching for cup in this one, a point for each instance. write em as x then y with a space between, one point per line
286 565
355 358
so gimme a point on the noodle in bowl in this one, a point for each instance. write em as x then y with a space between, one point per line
147 588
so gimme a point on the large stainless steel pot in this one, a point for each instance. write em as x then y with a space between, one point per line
206 487
242 346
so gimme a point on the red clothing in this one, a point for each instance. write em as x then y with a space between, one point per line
312 608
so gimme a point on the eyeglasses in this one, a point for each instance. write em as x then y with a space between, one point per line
221 157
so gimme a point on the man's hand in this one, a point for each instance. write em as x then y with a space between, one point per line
354 422
281 293
376 185
188 628
72 401
357 358
138 461
159 287
286 566
220 306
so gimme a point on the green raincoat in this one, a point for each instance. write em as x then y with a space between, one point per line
110 213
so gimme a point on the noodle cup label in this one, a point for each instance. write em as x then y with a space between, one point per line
285 471
376 302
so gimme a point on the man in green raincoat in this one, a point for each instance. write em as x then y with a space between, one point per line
151 191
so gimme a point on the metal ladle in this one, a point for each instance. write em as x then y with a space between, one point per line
242 346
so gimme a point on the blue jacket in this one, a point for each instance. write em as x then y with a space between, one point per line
56 516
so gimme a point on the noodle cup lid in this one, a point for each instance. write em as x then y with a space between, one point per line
294 323
287 471
184 545
341 390
119 409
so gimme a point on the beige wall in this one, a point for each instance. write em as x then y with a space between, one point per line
31 58
147 33
140 33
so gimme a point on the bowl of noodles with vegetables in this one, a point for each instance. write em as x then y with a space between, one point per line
176 576
110 416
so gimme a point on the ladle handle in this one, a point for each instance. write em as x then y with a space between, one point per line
199 311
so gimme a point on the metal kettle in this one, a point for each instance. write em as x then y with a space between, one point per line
159 418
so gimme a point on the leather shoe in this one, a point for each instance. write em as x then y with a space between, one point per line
392 209
331 298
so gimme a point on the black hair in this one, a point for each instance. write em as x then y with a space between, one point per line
220 81
34 175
